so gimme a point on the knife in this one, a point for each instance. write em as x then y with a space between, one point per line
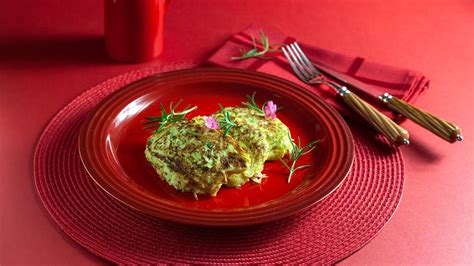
441 127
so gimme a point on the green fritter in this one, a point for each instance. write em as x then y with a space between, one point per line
193 158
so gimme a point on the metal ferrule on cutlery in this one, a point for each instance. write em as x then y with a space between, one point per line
305 70
442 128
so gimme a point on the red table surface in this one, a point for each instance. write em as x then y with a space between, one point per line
52 50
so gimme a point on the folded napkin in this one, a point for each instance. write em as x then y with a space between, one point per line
405 84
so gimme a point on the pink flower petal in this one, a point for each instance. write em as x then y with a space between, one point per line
270 110
211 122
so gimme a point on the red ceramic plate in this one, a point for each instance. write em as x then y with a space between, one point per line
112 143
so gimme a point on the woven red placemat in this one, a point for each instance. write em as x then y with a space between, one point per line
326 233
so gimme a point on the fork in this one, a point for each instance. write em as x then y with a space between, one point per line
306 72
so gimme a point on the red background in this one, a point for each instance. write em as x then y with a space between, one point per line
52 50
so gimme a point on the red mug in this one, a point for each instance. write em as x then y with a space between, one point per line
134 29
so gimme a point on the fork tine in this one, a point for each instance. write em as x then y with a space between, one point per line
292 64
301 62
297 62
306 60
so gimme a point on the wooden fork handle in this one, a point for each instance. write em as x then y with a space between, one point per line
395 133
444 129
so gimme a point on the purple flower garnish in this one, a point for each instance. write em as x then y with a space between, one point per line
211 122
270 110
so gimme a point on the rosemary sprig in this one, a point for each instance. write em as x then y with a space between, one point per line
252 105
167 118
226 122
296 152
255 52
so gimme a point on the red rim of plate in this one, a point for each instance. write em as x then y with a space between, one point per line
104 176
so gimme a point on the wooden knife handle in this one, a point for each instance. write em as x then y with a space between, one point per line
375 118
444 129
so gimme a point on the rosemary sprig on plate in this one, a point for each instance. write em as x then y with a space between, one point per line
268 108
252 105
296 152
255 52
225 123
166 118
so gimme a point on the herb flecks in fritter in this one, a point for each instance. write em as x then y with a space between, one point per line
191 157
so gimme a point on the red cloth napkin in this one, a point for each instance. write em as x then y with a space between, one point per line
405 84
